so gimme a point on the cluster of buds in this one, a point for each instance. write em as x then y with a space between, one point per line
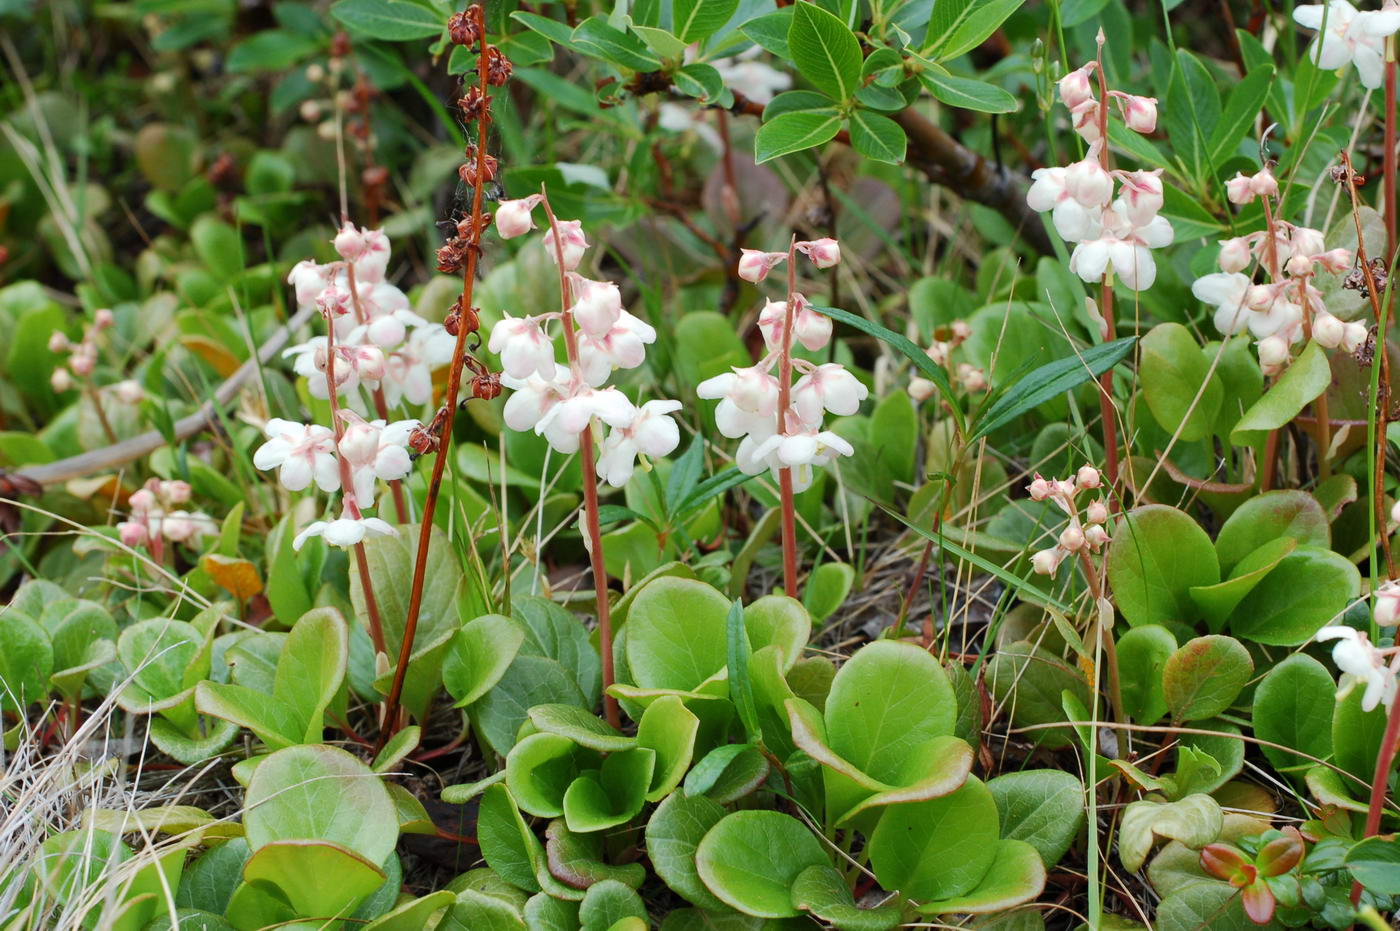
1108 232
155 517
1085 532
82 355
751 398
372 339
1363 664
1282 310
972 379
380 342
558 401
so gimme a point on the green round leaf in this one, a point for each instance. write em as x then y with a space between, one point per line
937 849
1172 371
1204 676
750 860
1042 807
676 634
672 837
1142 652
1274 614
1266 517
1158 553
1293 706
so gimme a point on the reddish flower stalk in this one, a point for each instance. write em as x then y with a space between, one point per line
1106 412
381 405
784 401
588 462
347 491
470 26
1388 191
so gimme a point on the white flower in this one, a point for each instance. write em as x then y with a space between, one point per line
652 432
1388 604
374 450
1139 113
408 370
798 452
349 242
756 80
1350 36
571 414
1235 254
1075 87
523 347
513 216
374 257
345 531
353 364
572 242
308 279
597 305
300 452
1141 195
811 329
748 400
1126 246
532 397
827 387
1075 196
622 347
1227 293
755 264
1328 330
824 253
184 526
1360 663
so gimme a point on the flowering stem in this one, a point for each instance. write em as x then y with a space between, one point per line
1379 782
1270 463
1110 424
96 398
784 401
454 382
1324 421
381 406
1388 191
590 479
347 492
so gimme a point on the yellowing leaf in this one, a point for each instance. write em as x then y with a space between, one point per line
238 577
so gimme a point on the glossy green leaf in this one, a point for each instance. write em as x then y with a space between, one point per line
607 903
1293 707
822 891
391 20
750 860
825 51
1300 384
1205 676
1042 807
673 835
1172 370
1267 517
966 93
793 132
1142 652
479 655
938 849
1015 877
1273 613
613 794
315 877
878 137
1158 553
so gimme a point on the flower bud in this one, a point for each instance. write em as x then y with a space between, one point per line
1273 351
1298 265
1076 89
824 253
1263 184
1072 538
1041 488
58 342
1395 513
349 243
1088 183
1335 260
572 244
60 381
315 74
1046 562
1235 254
141 501
1354 336
129 391
1139 113
1388 604
132 533
755 264
1328 330
1096 536
175 492
81 363
1096 513
962 331
310 111
513 217
921 389
1239 190
973 379
103 319
1088 477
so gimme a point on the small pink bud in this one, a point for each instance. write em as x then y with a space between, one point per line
58 342
132 533
60 381
1273 351
1041 488
1072 538
1139 113
310 111
1096 513
1335 260
1354 336
129 391
1264 184
141 501
175 492
513 217
1076 89
1235 254
755 264
349 243
962 331
103 318
1328 330
1046 562
1388 604
1088 477
921 389
1096 536
1298 266
81 363
824 253
1239 190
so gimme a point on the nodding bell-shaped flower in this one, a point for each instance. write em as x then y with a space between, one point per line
1088 477
652 432
1388 604
597 305
514 217
748 400
811 329
1273 353
1235 254
525 349
344 531
755 264
1361 664
799 452
374 257
333 302
408 370
532 397
824 253
1242 189
566 418
1139 113
1088 183
1141 195
353 364
828 387
1228 293
571 242
1354 336
1350 36
61 380
622 347
1076 89
373 450
921 389
1328 330
301 453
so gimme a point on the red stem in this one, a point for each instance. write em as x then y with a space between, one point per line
1379 782
784 401
1106 412
1389 162
590 481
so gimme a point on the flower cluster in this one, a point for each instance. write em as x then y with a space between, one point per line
1108 231
1085 531
1280 311
82 355
972 379
156 517
380 342
366 316
750 398
1362 664
1347 35
557 401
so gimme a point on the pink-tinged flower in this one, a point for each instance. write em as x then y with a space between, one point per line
1040 488
1361 664
1388 604
1087 477
824 253
333 302
1096 512
185 527
129 391
300 452
1335 260
1088 183
308 279
523 347
748 400
82 363
921 389
1239 190
174 492
533 397
104 318
829 387
1354 336
1045 562
755 264
1076 89
375 450
1139 113
353 364
1306 242
1141 195
349 242
571 242
1227 293
597 305
799 452
1126 246
142 501
570 416
1349 36
622 347
1085 120
345 531
61 380
1273 353
1235 254
652 432
374 257
58 342
1328 330
811 329
1074 194
513 217
132 533
972 379
408 370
